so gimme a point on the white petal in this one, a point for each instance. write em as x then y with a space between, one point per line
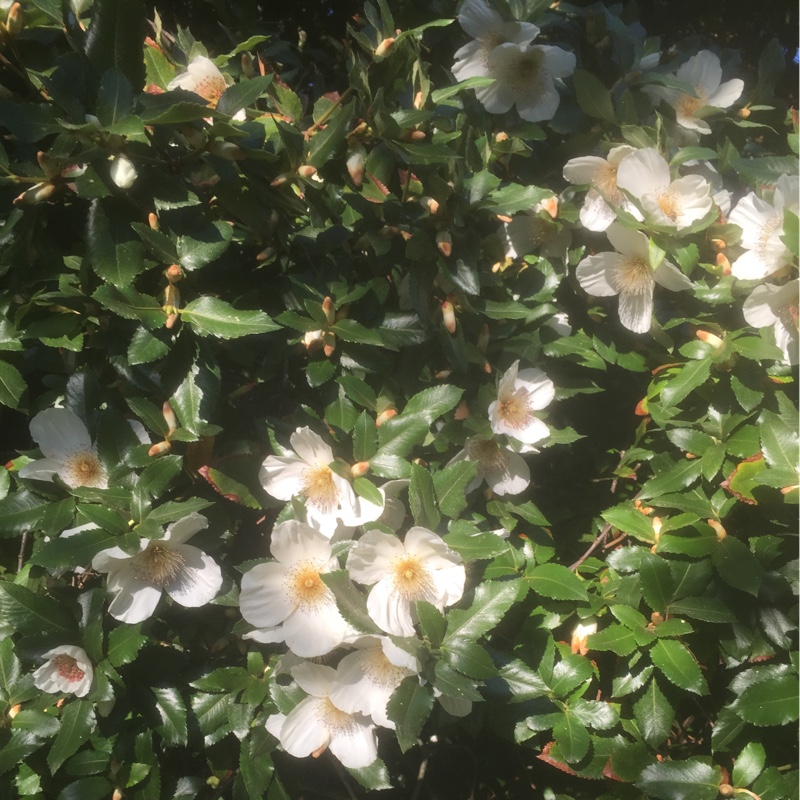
596 214
314 679
514 479
628 241
478 19
135 600
427 545
302 732
506 386
315 632
58 432
294 541
371 558
703 71
263 600
183 530
357 748
199 579
111 559
670 277
266 635
349 691
449 583
727 94
636 311
643 172
749 267
282 476
539 387
751 214
540 103
559 62
389 610
581 171
274 724
594 274
471 61
533 432
41 470
311 447
695 199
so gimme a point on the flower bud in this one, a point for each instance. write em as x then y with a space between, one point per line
385 416
718 529
123 173
267 254
14 710
247 66
723 263
194 137
431 204
171 320
47 165
159 449
443 374
719 244
710 339
36 194
152 221
169 418
172 296
15 21
328 310
306 171
117 795
656 618
444 241
385 47
359 469
228 150
173 273
726 790
744 113
580 634
312 340
550 205
356 165
419 101
330 343
504 218
449 316
417 136
501 136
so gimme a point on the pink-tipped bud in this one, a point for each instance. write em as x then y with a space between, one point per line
431 204
744 113
656 618
329 311
36 194
47 165
356 166
15 21
417 136
385 416
449 316
306 171
723 264
14 710
117 795
312 340
172 320
710 339
173 273
719 244
419 101
329 340
152 221
718 529
169 418
443 374
550 205
281 180
657 525
267 254
159 449
359 469
504 218
444 241
501 136
172 296
385 47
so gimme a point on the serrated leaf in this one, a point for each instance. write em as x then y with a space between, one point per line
130 304
325 143
358 391
212 317
375 777
409 708
616 638
492 600
255 762
469 658
568 673
124 643
421 498
17 748
29 612
116 254
243 94
523 682
690 779
431 622
773 702
657 583
77 722
12 385
172 710
557 582
351 603
20 512
451 486
654 715
592 96
115 39
472 547
74 551
145 348
707 609
737 566
749 764
678 666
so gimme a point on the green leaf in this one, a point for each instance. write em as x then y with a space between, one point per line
193 398
595 714
341 413
365 437
243 94
10 669
130 304
737 566
454 684
749 765
325 143
658 586
727 727
492 600
440 95
15 749
86 789
557 582
77 722
255 762
409 708
124 643
204 246
37 722
523 682
28 612
691 779
212 317
592 96
145 348
514 197
20 511
375 777
158 70
773 702
115 39
351 603
654 715
630 520
779 442
115 252
616 638
469 658
12 385
693 374
172 710
359 392
571 737
421 498
678 665
707 609
679 476
74 551
473 547
431 622
114 99
451 486
568 673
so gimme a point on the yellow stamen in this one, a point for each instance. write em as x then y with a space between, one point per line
319 489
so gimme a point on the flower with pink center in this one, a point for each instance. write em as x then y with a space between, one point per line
520 394
67 669
421 567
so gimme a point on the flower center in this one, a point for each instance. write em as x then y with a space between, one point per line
668 203
68 668
487 453
211 88
632 276
411 579
379 671
158 565
334 719
83 468
766 236
319 488
305 587
687 105
605 181
525 71
515 409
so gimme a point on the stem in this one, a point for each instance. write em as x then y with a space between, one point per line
324 118
21 555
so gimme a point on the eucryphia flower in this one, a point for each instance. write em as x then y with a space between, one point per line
67 669
524 73
329 497
422 567
503 470
604 196
367 678
68 451
184 572
776 307
580 633
317 723
762 229
287 600
678 203
628 273
519 395
203 77
703 73
123 172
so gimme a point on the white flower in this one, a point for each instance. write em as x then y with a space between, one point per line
644 174
628 273
123 173
317 723
581 633
524 73
367 678
67 669
504 470
776 306
203 77
520 394
422 567
703 73
762 229
329 497
560 324
68 451
288 600
184 572
604 196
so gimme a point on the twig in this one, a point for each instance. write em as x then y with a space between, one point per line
594 545
21 556
324 118
423 767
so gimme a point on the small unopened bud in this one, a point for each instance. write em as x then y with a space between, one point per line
247 66
228 150
359 129
267 254
719 244
14 710
152 221
580 634
169 418
483 338
718 529
123 172
117 795
744 113
359 469
657 525
444 241
550 205
443 374
501 136
328 310
419 101
312 340
710 339
417 136
172 319
462 410
504 218
159 449
656 618
431 204
385 47
306 171
723 263
47 165
172 296
173 273
329 340
449 316
36 194
355 166
385 416
726 790
15 21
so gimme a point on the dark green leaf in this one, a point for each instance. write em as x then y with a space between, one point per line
124 643
409 708
492 600
172 709
691 779
212 317
469 658
28 612
12 385
678 665
773 702
324 143
77 722
654 715
708 609
592 96
749 764
737 566
20 512
451 486
657 584
421 498
556 581
243 94
572 738
115 252
616 638
115 39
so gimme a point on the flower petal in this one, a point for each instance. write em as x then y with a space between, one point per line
263 600
311 447
302 732
514 478
315 632
636 311
628 241
183 530
294 541
58 432
356 748
389 609
371 557
594 274
539 387
643 172
283 476
135 600
727 94
478 19
199 579
581 171
314 679
41 470
670 277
